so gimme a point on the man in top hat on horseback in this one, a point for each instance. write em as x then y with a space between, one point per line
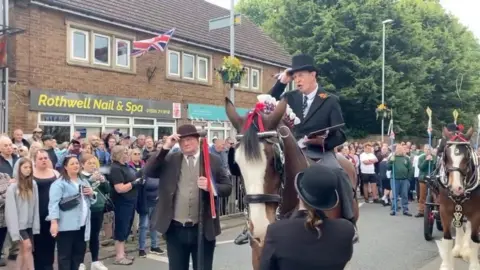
321 120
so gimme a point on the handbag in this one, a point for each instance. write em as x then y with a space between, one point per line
70 202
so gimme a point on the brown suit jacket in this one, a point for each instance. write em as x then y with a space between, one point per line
167 167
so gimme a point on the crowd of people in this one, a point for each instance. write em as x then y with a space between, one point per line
57 195
377 163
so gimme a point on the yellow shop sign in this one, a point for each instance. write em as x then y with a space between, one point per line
69 102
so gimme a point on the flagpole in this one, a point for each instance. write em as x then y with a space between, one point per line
392 176
232 44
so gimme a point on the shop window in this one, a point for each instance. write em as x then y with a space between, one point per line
147 122
188 66
122 47
61 118
217 124
173 63
101 45
60 133
164 131
79 45
85 132
143 131
123 130
117 120
88 119
219 134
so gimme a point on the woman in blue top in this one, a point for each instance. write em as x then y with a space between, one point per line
71 227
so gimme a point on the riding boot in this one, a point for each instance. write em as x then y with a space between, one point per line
242 238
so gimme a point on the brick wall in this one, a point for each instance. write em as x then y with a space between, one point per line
40 62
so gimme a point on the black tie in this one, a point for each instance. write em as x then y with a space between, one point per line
304 106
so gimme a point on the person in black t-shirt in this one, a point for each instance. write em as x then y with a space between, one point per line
124 196
318 242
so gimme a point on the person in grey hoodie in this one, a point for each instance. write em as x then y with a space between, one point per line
21 213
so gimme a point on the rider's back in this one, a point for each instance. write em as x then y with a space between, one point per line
290 245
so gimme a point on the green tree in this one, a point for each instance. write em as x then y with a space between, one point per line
428 56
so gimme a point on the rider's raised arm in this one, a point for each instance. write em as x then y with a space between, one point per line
277 90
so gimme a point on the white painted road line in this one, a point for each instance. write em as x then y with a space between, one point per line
224 242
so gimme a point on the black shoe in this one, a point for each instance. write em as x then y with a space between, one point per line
12 257
407 214
142 254
157 251
393 213
241 239
419 215
3 262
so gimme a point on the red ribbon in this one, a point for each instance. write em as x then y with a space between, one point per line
458 136
259 107
208 175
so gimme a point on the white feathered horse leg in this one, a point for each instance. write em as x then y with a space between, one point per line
466 248
459 238
445 249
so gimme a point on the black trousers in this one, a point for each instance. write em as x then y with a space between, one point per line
181 243
96 222
71 248
3 236
44 247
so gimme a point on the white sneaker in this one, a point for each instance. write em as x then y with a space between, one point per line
98 265
82 267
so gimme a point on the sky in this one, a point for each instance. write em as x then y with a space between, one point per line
466 10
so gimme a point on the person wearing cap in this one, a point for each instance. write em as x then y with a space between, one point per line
36 136
48 144
177 213
74 148
318 242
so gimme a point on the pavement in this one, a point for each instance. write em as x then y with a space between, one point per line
386 242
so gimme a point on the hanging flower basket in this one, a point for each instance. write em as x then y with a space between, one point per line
383 111
231 71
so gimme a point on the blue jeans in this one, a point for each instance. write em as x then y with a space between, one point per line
401 189
144 221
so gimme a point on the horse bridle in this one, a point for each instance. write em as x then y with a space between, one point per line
273 138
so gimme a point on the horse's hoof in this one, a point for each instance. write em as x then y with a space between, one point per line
457 252
465 255
474 267
445 266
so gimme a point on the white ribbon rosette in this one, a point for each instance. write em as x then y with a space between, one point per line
270 104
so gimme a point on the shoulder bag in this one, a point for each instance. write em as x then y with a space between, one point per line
70 202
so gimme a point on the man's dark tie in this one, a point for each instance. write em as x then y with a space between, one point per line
304 106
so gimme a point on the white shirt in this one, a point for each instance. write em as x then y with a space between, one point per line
370 168
310 98
84 206
415 165
195 158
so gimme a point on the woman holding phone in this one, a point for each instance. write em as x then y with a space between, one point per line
69 213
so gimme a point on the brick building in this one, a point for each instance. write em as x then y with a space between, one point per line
71 69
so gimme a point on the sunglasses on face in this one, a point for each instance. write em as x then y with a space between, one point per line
43 158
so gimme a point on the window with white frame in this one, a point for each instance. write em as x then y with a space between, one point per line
79 44
122 47
290 86
255 78
173 63
188 66
62 126
99 49
245 82
202 68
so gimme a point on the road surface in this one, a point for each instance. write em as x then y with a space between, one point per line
386 242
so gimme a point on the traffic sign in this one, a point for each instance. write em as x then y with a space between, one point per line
223 22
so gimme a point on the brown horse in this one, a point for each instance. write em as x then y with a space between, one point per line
459 196
268 174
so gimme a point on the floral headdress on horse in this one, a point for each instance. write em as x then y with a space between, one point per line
266 104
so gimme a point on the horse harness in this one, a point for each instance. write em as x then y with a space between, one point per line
470 184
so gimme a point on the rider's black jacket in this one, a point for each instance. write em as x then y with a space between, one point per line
324 112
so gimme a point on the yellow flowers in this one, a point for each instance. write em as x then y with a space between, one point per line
383 111
231 71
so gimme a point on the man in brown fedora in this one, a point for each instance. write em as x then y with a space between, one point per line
177 211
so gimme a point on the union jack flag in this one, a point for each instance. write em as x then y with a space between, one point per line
159 43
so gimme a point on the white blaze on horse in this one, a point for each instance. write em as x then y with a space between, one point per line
459 197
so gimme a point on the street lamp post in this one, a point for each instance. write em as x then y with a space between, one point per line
383 72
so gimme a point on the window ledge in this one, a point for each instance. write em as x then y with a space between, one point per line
197 82
249 90
100 67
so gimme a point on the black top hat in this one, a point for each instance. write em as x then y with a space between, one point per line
187 130
302 62
317 187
